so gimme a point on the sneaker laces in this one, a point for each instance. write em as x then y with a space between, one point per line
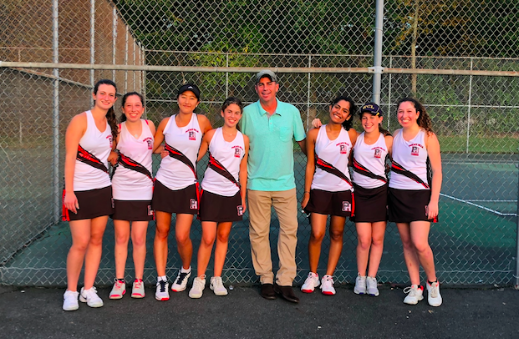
411 291
138 283
434 290
199 283
118 283
181 277
162 284
328 278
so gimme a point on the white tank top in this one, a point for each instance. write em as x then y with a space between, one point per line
412 155
229 154
128 184
336 153
99 144
371 157
173 173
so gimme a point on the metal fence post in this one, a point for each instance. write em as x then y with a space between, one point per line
516 281
469 106
92 43
377 55
227 75
389 94
55 111
114 39
308 95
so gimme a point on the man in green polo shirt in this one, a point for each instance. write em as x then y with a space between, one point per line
271 125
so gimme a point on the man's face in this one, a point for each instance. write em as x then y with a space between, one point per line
266 89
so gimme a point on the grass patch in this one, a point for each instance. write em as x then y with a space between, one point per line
458 144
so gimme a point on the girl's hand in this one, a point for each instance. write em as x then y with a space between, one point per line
244 205
316 123
431 210
306 198
164 154
70 202
112 158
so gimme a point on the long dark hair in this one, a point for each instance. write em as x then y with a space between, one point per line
424 120
123 101
110 115
353 109
233 100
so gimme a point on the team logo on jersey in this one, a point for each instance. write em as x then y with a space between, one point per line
150 143
109 137
240 210
192 135
415 151
346 206
378 153
343 147
193 204
237 152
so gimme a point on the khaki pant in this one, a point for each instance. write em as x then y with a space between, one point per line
285 205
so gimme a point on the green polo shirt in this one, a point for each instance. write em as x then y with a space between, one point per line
271 153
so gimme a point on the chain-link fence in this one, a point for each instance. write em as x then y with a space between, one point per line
459 59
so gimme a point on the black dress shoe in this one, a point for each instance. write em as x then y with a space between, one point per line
286 292
267 291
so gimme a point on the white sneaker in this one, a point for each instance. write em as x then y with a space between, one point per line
217 286
311 282
138 289
433 294
415 294
327 285
118 290
360 285
90 297
371 284
161 293
198 288
70 302
180 283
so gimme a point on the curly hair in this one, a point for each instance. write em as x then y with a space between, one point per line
424 120
353 109
110 115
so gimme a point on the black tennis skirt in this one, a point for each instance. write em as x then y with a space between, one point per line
405 206
370 204
133 210
219 208
183 201
92 204
339 203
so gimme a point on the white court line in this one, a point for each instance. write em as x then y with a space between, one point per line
481 200
479 206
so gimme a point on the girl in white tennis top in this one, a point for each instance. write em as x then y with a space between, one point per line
328 188
132 184
414 195
370 184
176 185
223 193
87 198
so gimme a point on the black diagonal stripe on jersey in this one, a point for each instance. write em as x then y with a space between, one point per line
359 168
397 168
216 166
176 154
133 165
88 158
332 170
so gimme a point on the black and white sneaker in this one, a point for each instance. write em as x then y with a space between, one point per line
162 290
180 283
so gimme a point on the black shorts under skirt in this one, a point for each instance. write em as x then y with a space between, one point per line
219 208
132 210
405 206
370 204
340 203
183 201
92 204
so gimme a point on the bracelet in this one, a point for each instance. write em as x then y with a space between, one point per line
307 192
